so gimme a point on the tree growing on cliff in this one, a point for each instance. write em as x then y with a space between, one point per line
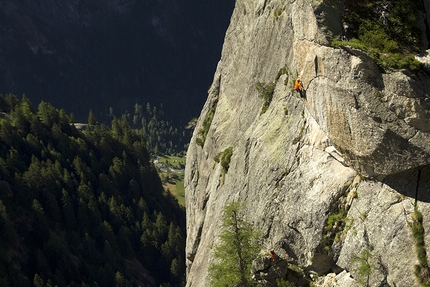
422 269
236 250
364 266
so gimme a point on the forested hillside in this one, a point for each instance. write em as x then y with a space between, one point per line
162 135
82 208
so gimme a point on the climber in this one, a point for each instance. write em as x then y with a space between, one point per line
298 87
274 256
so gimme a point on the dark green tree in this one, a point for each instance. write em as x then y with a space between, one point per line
38 282
68 212
8 236
236 249
4 105
92 118
48 114
422 269
12 101
40 224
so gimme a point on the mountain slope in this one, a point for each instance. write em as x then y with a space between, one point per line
328 175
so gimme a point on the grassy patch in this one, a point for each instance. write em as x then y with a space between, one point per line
171 172
277 12
180 191
283 71
265 91
175 185
203 131
173 161
224 159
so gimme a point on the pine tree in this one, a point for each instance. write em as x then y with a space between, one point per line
8 236
38 282
68 212
92 118
236 250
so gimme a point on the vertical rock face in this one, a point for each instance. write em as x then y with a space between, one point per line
359 142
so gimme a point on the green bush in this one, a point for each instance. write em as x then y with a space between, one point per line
203 131
265 91
337 225
224 158
282 71
391 40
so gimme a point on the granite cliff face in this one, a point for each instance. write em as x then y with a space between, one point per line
359 143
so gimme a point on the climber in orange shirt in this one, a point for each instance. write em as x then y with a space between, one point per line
298 87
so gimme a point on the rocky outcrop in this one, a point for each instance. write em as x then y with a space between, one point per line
355 149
